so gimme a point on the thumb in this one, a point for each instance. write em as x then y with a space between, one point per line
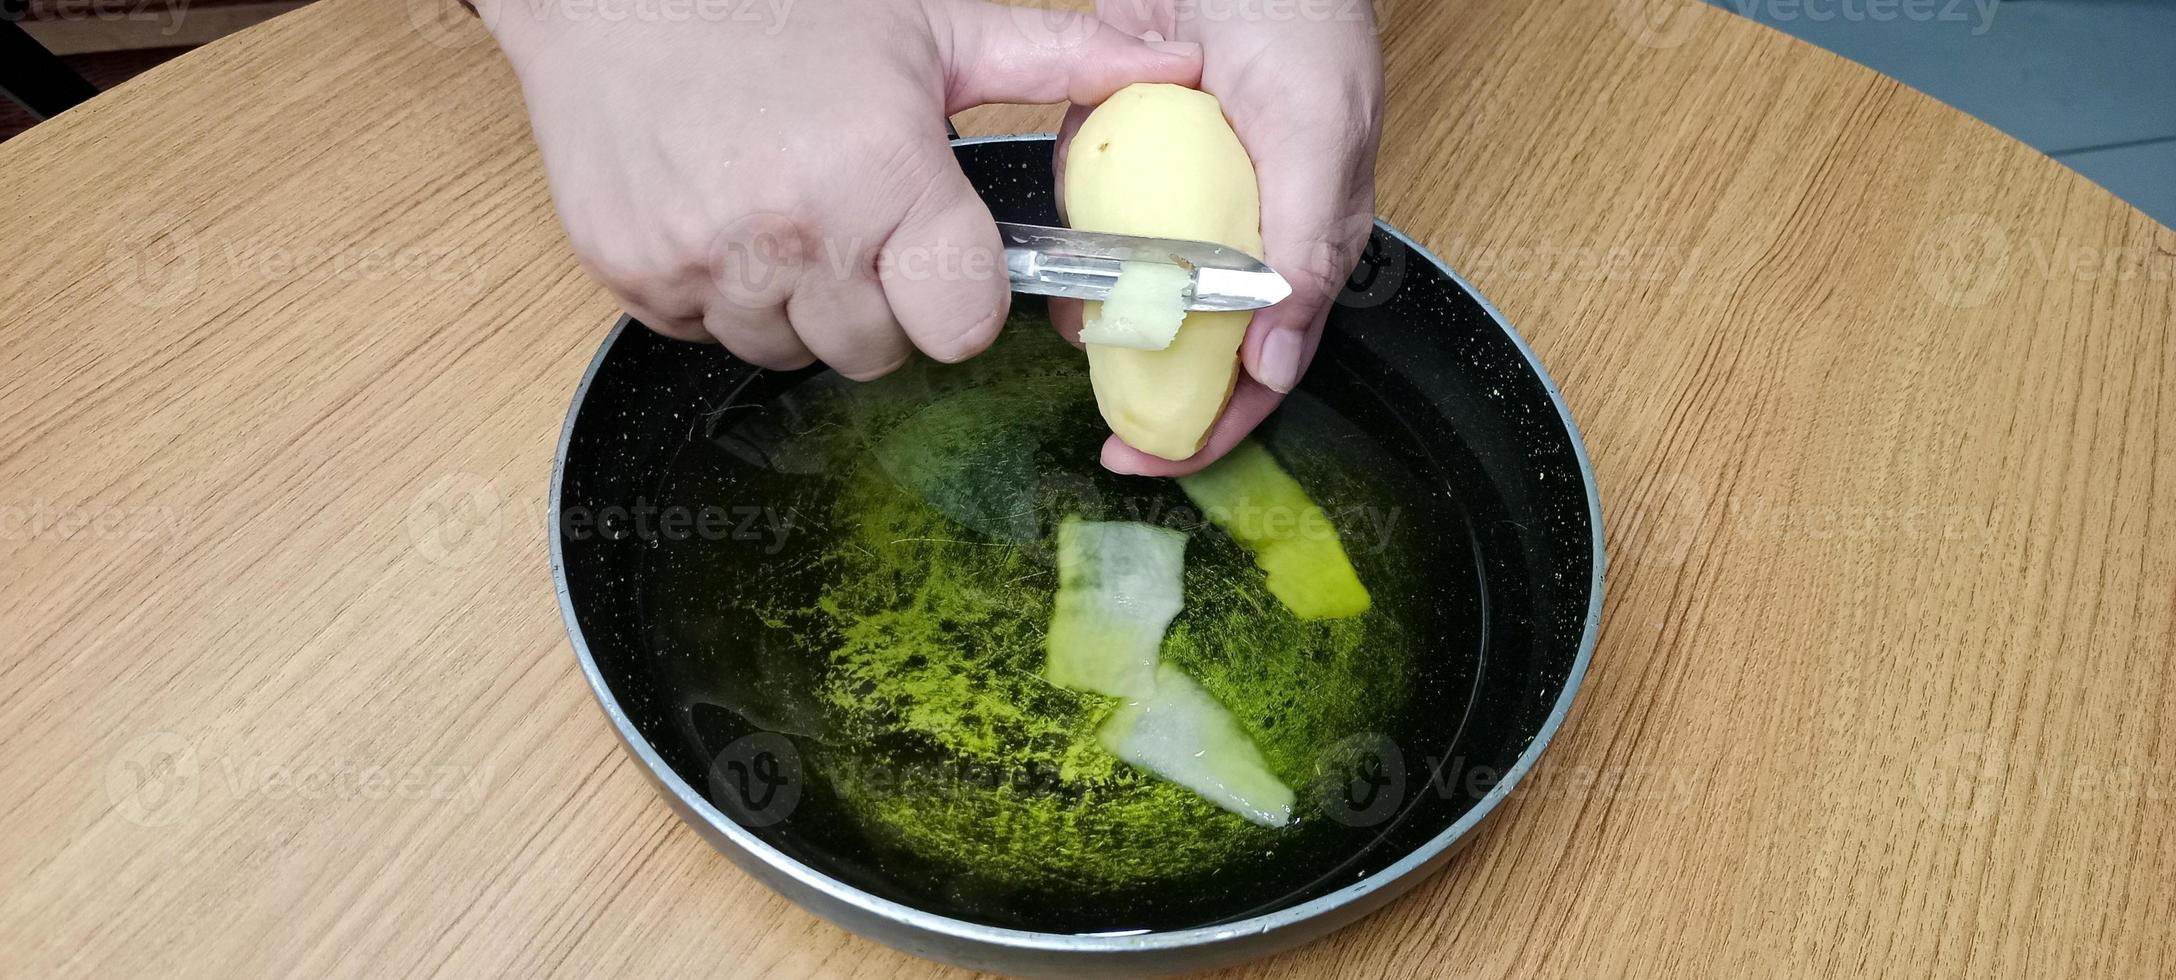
1000 53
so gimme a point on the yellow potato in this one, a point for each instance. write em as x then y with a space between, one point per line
1161 160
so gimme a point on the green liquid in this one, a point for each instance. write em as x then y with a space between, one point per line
895 633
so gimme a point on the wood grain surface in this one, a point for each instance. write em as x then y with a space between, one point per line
1883 407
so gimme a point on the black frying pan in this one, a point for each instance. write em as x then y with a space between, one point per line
1462 429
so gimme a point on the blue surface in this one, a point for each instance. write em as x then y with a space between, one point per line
2143 174
2089 82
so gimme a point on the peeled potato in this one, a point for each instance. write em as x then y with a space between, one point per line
1161 160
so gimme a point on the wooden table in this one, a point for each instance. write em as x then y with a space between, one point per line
1883 406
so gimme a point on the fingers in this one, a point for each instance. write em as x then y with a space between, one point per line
943 271
1065 316
1002 53
761 337
857 282
685 328
1317 210
755 265
673 311
847 323
1065 313
1074 116
1251 403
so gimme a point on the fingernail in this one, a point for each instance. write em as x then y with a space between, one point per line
1118 458
1177 49
1280 360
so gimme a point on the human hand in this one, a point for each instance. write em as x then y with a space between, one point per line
785 187
1305 95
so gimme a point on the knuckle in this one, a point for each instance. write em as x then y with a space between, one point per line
755 260
618 268
684 236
